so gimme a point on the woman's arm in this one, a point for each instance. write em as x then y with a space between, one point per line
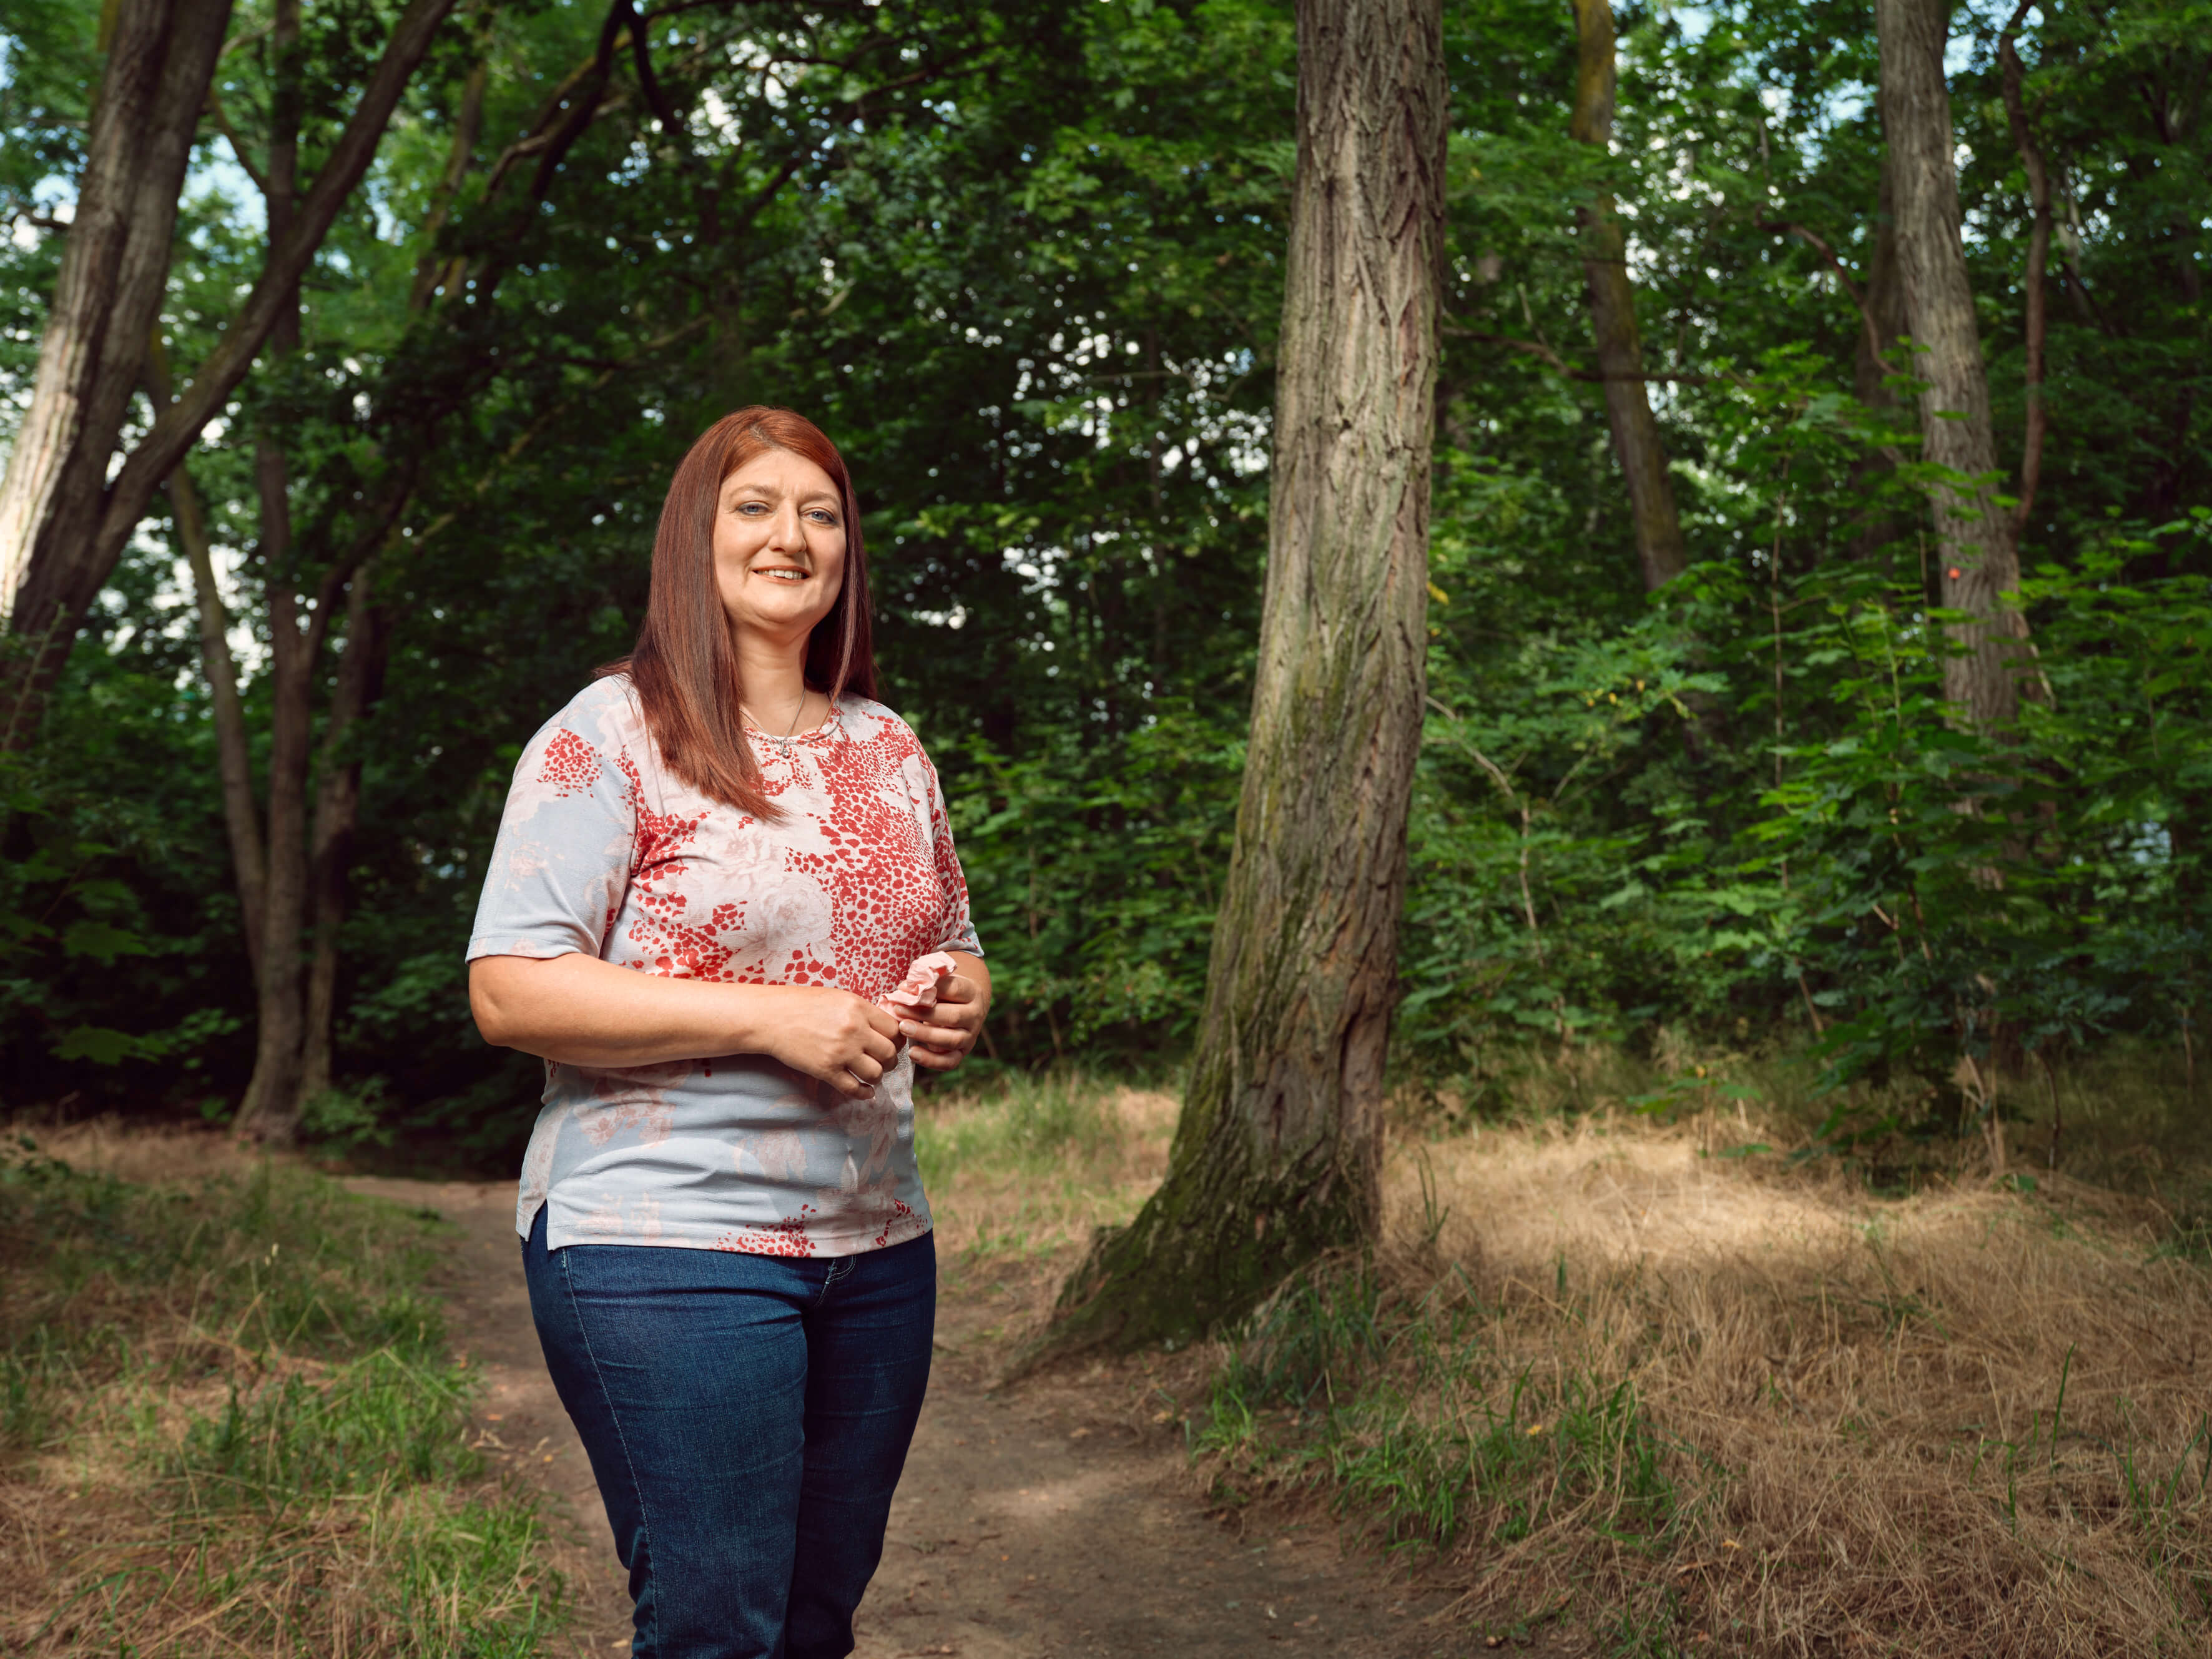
943 1041
582 1011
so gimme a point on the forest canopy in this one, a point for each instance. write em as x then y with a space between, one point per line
1697 758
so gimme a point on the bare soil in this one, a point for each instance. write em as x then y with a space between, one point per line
1055 1517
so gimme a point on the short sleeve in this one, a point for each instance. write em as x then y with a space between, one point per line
562 862
959 926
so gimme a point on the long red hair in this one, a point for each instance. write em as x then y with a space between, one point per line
684 668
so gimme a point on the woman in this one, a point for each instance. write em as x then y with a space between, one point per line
717 864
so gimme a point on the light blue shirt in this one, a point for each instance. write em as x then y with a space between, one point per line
602 851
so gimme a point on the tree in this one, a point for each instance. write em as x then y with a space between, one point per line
63 522
1278 1155
160 57
1613 315
1976 538
446 370
1040 304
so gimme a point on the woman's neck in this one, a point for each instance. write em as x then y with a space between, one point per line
774 675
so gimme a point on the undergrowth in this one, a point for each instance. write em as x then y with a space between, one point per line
230 1424
2129 1115
1025 1166
1403 1413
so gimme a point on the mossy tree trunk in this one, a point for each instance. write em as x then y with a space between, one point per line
1277 1157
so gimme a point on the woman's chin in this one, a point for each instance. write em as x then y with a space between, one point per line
781 617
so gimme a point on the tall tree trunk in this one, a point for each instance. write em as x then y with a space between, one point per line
115 261
361 668
2035 321
63 522
1974 535
1881 322
1613 316
270 1111
241 818
1656 519
272 1107
337 807
1277 1157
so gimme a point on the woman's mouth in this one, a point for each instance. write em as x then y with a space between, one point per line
782 573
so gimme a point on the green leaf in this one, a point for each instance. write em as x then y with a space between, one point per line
99 940
100 1045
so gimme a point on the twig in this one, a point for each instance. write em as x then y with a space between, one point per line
214 107
1829 257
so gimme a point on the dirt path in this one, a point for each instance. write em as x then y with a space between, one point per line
1056 1519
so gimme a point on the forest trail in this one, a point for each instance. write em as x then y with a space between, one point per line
1055 1518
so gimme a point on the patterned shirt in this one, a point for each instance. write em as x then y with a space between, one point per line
602 851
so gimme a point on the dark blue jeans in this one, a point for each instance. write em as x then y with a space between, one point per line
747 1416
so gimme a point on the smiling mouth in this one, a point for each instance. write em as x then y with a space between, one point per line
783 573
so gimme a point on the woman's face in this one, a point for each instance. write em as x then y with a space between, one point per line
779 547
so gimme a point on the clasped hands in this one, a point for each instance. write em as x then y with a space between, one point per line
848 1043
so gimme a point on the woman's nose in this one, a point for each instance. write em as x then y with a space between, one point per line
784 531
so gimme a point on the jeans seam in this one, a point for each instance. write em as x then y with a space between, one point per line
629 1465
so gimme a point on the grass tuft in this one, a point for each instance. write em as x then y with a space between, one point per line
1403 1413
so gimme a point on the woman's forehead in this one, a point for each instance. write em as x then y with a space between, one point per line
781 470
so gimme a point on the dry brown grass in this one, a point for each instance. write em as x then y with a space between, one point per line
1864 1394
1855 1400
150 1153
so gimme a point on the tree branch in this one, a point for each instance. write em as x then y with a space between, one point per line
214 107
178 427
1829 257
656 100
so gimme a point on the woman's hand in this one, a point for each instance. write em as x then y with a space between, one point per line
834 1037
942 1039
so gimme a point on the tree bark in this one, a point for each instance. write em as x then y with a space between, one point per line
59 544
1980 559
160 57
241 818
1659 548
1277 1156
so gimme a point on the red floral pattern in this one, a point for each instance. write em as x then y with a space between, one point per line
571 766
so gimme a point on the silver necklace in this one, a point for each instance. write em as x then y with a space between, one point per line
783 744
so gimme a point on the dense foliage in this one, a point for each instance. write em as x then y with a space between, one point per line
1024 262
